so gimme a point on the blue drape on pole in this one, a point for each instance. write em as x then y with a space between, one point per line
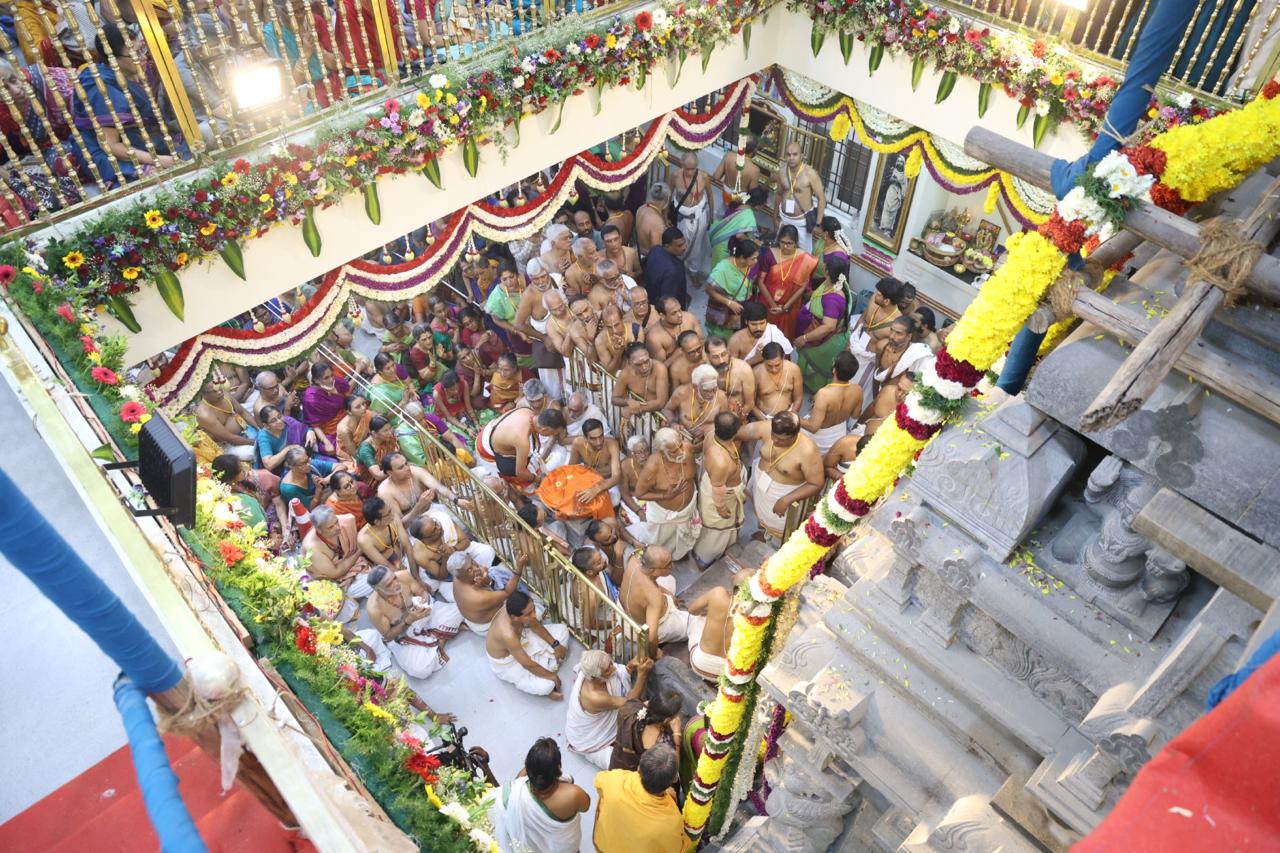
157 781
40 553
1228 684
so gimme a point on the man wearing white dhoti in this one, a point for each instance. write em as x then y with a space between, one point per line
525 653
801 198
414 627
600 689
721 493
690 188
540 811
668 482
898 354
477 600
835 405
787 471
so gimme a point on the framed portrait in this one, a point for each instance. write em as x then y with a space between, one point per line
891 194
986 236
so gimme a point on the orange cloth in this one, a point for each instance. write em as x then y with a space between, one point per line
631 820
355 509
560 486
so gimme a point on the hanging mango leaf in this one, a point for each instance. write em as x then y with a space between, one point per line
310 234
984 99
170 290
641 76
874 55
917 71
706 58
684 54
120 307
746 38
1039 128
1023 112
559 116
431 169
599 97
372 206
233 257
846 45
945 85
104 453
471 156
817 35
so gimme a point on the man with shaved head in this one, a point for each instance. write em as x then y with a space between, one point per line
801 199
691 188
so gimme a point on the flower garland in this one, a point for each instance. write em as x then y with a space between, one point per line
181 378
154 239
1040 73
1194 160
1029 205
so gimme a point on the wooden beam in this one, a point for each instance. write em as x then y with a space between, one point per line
1154 356
1212 547
1124 243
1247 384
1165 229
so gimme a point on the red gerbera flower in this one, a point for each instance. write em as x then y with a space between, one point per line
105 375
131 411
65 312
644 21
592 41
231 553
303 637
6 274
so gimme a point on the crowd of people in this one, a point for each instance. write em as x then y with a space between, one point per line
627 428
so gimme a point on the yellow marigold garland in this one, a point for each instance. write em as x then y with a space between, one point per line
1216 155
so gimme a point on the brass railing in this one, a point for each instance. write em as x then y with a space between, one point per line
1227 52
199 75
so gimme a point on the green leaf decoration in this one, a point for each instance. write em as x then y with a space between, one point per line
170 290
515 125
817 36
233 257
1023 112
1039 129
984 99
123 312
103 453
706 58
846 46
471 156
559 116
874 55
746 39
372 206
431 169
917 71
641 76
945 85
599 97
310 234
684 54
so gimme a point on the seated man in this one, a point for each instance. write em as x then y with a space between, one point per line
599 453
334 553
579 409
637 808
648 595
414 627
408 489
588 598
511 444
600 689
617 542
431 554
525 653
540 809
383 539
474 594
225 420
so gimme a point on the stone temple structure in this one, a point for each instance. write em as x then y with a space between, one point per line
1033 613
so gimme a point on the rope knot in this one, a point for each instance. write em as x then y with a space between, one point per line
1225 259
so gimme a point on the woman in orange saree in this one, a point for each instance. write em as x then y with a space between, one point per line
785 272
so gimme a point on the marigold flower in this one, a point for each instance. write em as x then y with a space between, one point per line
181 259
207 230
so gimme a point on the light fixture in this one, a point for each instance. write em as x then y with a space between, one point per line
257 86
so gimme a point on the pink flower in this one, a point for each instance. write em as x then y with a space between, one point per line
87 344
6 274
65 312
104 375
131 411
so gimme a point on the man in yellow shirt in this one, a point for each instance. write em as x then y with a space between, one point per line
638 811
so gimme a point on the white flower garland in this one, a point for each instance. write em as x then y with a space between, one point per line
745 777
948 389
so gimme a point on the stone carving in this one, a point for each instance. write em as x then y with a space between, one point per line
970 824
1129 751
906 533
959 571
1165 578
1164 440
808 801
1117 492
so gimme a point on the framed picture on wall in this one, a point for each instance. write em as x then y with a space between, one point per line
891 194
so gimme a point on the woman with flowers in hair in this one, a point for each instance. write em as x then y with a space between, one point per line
829 243
823 326
739 220
785 270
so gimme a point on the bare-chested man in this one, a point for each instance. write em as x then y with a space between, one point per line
788 469
473 589
668 482
688 355
588 597
510 442
611 343
886 402
642 386
619 218
726 174
662 336
600 453
612 287
799 191
614 541
648 596
841 456
581 276
617 250
525 653
559 323
748 343
651 219
736 378
383 540
426 537
585 326
637 455
269 391
836 406
224 419
721 492
533 317
408 489
897 355
414 627
779 384
694 406
332 547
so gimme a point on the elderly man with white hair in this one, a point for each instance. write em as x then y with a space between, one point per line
668 481
693 407
414 627
612 287
552 449
556 250
533 315
637 454
599 690
579 409
581 277
268 391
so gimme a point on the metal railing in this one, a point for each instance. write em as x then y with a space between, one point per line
1227 52
113 95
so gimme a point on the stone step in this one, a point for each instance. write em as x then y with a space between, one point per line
673 672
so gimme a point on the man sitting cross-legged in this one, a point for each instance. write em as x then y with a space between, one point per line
524 652
601 688
474 593
415 627
431 554
334 554
383 539
600 453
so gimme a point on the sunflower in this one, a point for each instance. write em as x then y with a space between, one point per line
230 179
131 273
153 219
73 260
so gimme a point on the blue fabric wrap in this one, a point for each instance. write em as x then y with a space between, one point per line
37 550
1151 56
1019 361
1227 685
156 779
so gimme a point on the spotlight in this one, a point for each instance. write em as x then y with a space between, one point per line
257 86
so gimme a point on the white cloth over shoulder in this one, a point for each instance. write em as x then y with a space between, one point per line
911 361
420 661
509 669
526 826
772 335
591 735
574 428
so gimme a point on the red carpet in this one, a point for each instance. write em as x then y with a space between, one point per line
101 810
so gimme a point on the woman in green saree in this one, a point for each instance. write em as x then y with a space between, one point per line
388 392
738 220
730 285
823 326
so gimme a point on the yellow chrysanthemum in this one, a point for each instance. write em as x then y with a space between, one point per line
182 258
914 161
1216 155
88 329
379 712
450 99
95 357
423 100
153 219
291 179
453 118
841 126
350 161
1056 78
130 273
73 260
208 230
610 41
265 198
434 798
230 179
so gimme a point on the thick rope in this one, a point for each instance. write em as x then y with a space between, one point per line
1225 259
198 713
1062 293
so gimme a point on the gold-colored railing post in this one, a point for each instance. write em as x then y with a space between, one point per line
386 41
158 46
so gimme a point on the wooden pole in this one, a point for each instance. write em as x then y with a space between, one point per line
1161 227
